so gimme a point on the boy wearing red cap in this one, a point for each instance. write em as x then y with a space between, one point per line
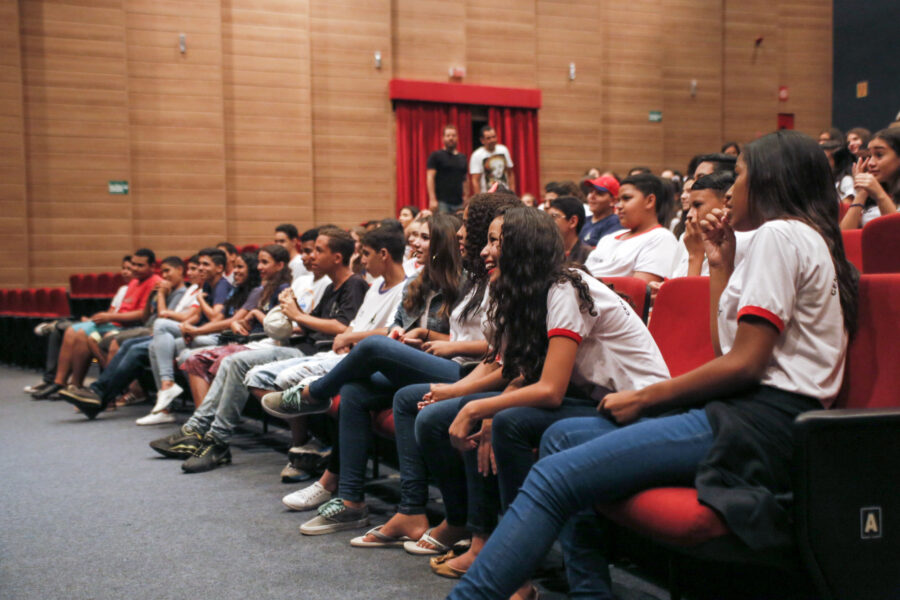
601 197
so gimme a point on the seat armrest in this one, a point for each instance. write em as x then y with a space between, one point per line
847 500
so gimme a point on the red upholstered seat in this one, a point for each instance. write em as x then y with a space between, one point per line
853 247
881 245
672 515
4 299
335 405
250 248
105 285
680 323
78 285
41 302
383 423
59 303
635 288
843 207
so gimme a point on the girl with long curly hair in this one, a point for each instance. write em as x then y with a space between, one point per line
780 322
560 341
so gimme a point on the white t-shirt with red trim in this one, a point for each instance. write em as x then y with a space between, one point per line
470 329
617 256
682 259
787 278
615 349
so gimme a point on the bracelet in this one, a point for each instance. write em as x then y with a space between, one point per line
857 204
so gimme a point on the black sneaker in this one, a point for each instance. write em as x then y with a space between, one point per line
181 444
48 392
84 400
212 453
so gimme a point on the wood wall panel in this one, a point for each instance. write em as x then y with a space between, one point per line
13 201
351 113
177 134
76 110
277 113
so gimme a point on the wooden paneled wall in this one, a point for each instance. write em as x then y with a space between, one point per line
276 111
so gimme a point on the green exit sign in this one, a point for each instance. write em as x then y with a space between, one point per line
118 187
655 116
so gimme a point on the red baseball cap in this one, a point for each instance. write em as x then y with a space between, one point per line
604 183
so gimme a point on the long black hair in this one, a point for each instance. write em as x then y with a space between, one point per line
891 137
442 270
788 177
482 209
242 291
280 255
532 259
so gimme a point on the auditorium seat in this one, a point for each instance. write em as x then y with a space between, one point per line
853 247
881 245
680 323
250 248
636 289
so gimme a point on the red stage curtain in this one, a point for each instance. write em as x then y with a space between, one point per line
419 133
517 129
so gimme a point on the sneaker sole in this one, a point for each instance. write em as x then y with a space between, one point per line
83 399
225 460
281 414
182 452
89 410
305 507
335 527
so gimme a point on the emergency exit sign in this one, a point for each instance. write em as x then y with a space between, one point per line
118 187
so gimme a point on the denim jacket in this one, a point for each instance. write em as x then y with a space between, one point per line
433 304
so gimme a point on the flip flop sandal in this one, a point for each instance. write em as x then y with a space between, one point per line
413 547
437 560
440 567
383 541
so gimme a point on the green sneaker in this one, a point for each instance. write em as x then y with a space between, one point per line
290 403
181 444
334 516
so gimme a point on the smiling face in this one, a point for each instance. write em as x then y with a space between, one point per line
141 268
854 143
884 164
307 249
405 217
489 140
422 242
240 271
193 273
600 202
491 252
267 266
172 274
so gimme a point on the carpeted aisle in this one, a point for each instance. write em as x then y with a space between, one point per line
88 510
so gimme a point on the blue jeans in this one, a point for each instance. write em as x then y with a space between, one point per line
367 379
615 463
167 343
125 366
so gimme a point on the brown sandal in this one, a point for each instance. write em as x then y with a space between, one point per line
440 567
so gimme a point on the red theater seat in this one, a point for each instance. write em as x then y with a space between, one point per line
680 323
383 423
853 247
636 289
250 248
881 245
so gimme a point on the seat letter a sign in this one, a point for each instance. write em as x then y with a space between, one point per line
870 523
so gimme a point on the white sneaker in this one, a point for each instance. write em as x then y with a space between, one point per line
308 498
165 397
159 418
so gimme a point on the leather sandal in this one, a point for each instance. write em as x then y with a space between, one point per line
440 566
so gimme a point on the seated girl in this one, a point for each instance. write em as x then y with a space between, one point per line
876 180
565 339
646 249
780 322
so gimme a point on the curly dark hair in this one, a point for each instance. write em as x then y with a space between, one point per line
441 272
532 260
482 209
242 291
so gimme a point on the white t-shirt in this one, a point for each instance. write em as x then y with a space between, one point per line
297 268
411 267
615 349
682 259
496 166
229 277
187 300
378 307
787 278
869 213
118 298
468 330
651 252
309 291
844 187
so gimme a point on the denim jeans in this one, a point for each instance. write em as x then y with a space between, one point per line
284 374
516 433
470 499
400 363
367 379
615 463
167 343
124 368
221 409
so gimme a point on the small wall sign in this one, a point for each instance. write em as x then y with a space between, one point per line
118 187
655 116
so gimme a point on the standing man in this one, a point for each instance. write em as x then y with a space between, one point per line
491 163
446 175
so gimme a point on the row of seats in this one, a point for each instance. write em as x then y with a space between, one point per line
876 247
20 311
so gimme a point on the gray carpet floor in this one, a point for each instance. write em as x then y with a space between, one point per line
88 510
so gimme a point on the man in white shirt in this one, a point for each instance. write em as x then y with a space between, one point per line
286 235
491 163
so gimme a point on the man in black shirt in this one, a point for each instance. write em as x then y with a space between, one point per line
446 174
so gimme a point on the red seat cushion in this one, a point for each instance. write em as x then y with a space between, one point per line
881 245
383 423
633 287
680 323
673 515
853 247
